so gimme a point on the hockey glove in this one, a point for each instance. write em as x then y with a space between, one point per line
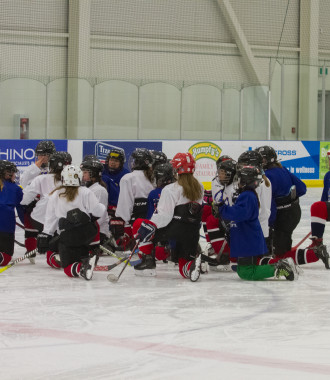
43 242
207 199
117 227
146 232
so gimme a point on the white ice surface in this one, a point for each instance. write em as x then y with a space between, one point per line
55 327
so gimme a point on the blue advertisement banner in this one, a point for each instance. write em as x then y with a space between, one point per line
304 165
102 148
21 152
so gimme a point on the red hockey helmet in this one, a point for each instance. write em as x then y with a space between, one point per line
183 163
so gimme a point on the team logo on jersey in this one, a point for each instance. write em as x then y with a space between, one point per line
205 149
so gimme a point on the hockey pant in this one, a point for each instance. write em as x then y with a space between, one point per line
7 241
287 219
74 245
185 237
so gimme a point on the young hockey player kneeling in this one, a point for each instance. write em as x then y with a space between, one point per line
178 218
10 197
247 242
68 211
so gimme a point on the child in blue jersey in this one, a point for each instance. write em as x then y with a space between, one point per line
10 197
112 174
285 209
247 242
164 175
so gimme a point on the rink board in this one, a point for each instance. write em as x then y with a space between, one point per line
306 159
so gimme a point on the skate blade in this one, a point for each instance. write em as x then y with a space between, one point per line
32 260
145 273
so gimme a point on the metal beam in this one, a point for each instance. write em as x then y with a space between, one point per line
241 41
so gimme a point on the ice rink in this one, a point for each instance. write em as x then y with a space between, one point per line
55 327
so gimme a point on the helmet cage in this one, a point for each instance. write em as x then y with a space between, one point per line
140 159
229 168
249 177
164 174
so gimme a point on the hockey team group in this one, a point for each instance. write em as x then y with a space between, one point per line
154 212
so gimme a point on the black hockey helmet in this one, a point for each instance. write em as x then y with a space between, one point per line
7 167
229 167
250 157
164 174
89 157
140 159
67 157
221 159
158 157
117 154
45 148
268 154
95 167
57 161
249 177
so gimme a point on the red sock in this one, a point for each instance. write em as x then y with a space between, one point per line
51 260
73 270
184 267
30 244
4 259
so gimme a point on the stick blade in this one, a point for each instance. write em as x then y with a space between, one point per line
112 278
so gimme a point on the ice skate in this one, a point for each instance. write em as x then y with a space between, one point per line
147 267
195 269
320 251
286 268
87 267
32 258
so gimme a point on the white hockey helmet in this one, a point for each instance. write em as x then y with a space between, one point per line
71 175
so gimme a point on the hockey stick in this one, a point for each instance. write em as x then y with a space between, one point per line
301 241
20 225
110 253
27 255
19 243
113 278
106 268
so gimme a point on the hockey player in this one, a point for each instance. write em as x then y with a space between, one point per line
41 186
68 212
209 196
132 203
112 174
285 209
178 218
264 191
247 240
92 172
222 190
10 197
43 151
164 175
320 214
